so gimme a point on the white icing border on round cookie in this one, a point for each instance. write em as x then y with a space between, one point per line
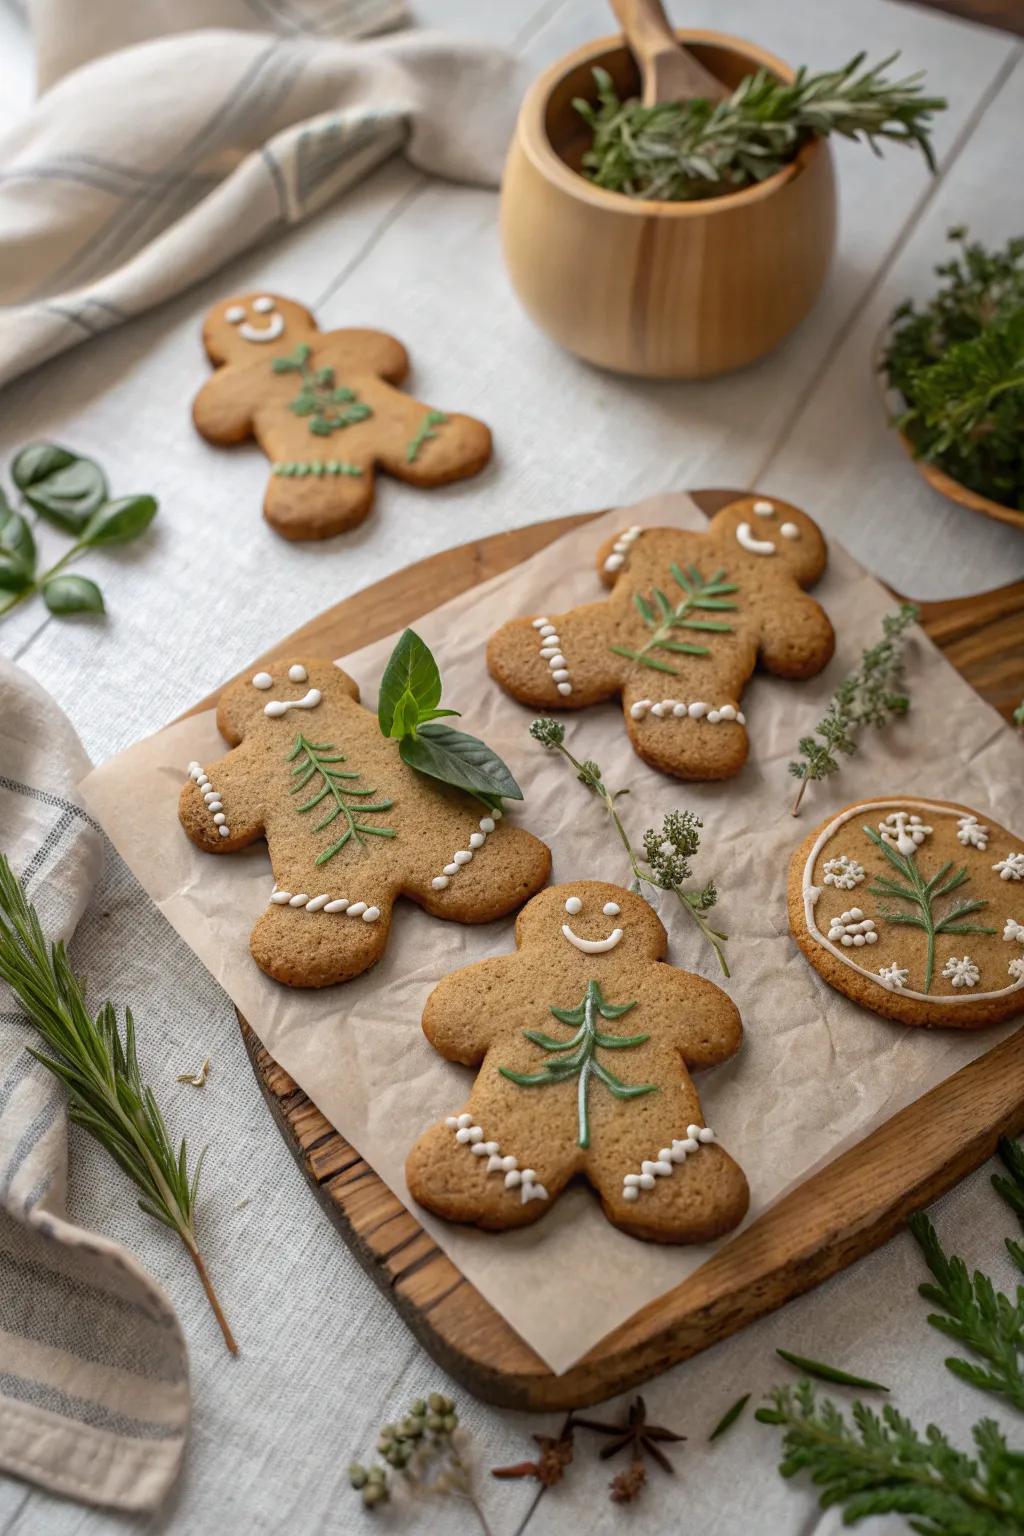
464 856
811 894
551 652
664 1164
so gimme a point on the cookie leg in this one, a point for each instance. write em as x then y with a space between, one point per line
692 1195
680 732
506 1183
318 948
318 506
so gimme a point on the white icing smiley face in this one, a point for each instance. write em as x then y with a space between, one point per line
275 708
591 946
252 330
754 542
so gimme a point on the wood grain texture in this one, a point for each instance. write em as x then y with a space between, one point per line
837 1216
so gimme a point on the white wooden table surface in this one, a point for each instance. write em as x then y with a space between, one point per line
212 586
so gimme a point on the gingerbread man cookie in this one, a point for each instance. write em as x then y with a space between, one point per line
583 1040
690 616
323 407
914 908
349 826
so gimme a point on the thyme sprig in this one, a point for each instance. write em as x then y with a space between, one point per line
678 151
100 1070
699 595
881 1465
872 695
667 852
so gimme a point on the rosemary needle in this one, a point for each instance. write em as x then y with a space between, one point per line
729 1417
829 1372
106 1094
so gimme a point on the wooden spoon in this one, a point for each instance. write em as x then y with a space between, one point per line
668 72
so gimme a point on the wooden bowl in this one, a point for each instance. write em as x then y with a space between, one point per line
659 289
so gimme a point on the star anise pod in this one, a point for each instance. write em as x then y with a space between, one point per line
555 1456
635 1432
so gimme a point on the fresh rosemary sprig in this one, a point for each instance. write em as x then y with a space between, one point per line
699 595
667 853
679 151
319 760
880 1465
872 695
958 363
921 895
106 1094
422 1447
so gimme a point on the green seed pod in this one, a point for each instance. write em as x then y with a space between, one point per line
436 1403
450 1422
435 1423
375 1493
357 1475
418 1407
377 1475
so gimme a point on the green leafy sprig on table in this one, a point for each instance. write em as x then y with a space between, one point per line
408 711
423 1449
100 1070
70 492
679 151
872 695
958 363
667 852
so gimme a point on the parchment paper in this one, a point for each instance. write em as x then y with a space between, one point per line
816 1073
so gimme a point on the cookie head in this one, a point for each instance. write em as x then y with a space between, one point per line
288 691
589 917
777 533
236 329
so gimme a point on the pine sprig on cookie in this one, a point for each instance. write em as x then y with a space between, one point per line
408 711
872 695
667 853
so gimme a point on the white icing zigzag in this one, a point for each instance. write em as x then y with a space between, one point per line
465 855
551 652
620 549
212 798
470 1135
666 1161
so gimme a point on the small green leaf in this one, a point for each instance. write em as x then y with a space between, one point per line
460 760
406 716
64 489
16 540
412 670
14 577
67 593
729 1417
831 1373
120 521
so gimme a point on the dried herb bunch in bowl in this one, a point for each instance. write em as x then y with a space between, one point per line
956 365
681 151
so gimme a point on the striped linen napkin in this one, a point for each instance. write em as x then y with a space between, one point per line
170 136
94 1396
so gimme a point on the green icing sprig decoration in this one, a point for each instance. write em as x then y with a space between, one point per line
300 467
921 895
320 759
425 432
872 695
69 492
326 405
583 1063
663 617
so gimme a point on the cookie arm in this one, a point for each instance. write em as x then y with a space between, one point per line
507 866
796 638
220 806
222 411
559 660
703 1022
469 1008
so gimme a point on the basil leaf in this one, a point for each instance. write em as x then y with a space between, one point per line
460 760
406 716
411 670
61 487
16 540
13 575
118 522
67 593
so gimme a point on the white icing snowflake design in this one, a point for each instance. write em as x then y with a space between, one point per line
1016 968
903 832
971 833
893 976
853 929
1013 931
843 872
1010 868
963 972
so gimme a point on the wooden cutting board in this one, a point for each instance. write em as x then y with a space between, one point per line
840 1214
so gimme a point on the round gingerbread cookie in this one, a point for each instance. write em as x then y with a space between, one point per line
914 908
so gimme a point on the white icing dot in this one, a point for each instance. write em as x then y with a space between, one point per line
539 623
224 831
356 909
614 561
548 629
557 662
209 794
214 805
611 909
639 709
317 903
631 1192
565 688
299 900
439 882
660 711
548 651
714 716
280 898
263 680
741 717
573 905
679 710
235 314
298 673
790 531
764 508
487 824
264 305
728 712
462 857
561 676
336 906
371 914
451 869
219 819
697 710
477 840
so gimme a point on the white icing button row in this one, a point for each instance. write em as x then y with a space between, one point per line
470 1135
325 903
550 650
212 798
853 928
666 1161
465 855
675 709
620 549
